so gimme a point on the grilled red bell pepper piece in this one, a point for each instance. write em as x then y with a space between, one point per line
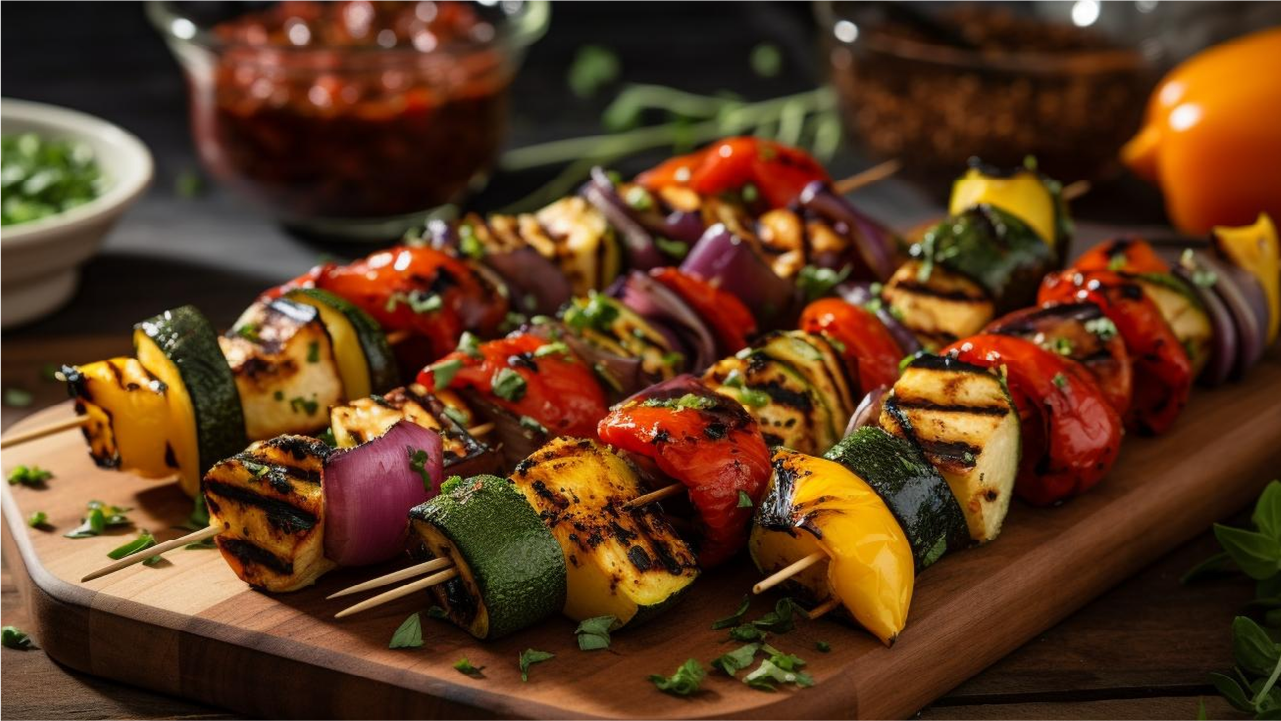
416 289
530 377
779 172
728 318
865 342
1125 255
709 443
1071 434
1162 373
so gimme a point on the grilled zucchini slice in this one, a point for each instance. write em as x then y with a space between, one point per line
128 416
284 366
364 419
609 325
511 571
962 417
180 349
794 384
365 360
1183 312
628 564
269 502
915 493
575 235
938 307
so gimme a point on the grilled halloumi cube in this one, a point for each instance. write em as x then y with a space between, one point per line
938 306
629 564
283 362
269 502
963 419
364 419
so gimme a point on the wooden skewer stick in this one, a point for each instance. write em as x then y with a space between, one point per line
873 174
788 571
480 430
660 494
396 337
1072 191
395 593
823 608
41 432
435 564
156 550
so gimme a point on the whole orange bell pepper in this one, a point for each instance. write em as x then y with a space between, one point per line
1212 137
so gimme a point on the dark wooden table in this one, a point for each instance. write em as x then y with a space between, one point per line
1141 651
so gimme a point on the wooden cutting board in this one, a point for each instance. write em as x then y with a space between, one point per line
190 628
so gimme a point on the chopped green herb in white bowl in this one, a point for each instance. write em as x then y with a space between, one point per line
65 180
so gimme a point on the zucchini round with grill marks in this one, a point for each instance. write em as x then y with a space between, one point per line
180 348
963 419
1183 312
794 383
915 493
629 564
365 359
511 571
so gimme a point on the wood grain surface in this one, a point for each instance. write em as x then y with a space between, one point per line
189 628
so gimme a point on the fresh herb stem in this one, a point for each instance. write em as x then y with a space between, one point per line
1267 686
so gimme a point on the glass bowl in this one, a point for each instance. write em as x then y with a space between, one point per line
354 119
934 84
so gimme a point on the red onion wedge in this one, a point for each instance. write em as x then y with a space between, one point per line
642 252
659 305
1244 297
727 261
369 490
1226 346
860 293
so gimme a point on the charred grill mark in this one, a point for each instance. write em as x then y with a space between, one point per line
523 360
280 514
250 553
639 558
715 431
301 448
925 405
782 395
551 497
275 472
958 295
952 453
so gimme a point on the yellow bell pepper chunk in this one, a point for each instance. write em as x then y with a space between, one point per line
818 505
1255 249
1022 195
128 416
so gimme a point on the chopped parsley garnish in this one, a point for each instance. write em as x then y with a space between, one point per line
457 416
1062 346
508 385
689 400
448 487
436 611
1205 278
779 668
143 541
443 372
593 633
749 193
1116 261
673 358
736 618
1102 327
737 660
249 331
278 395
468 243
552 349
37 519
752 397
303 405
327 437
638 198
733 380
781 619
17 397
46 176
464 667
313 352
1060 380
11 637
823 646
688 677
531 424
469 345
817 282
836 343
745 633
409 634
744 500
418 464
512 321
30 476
418 301
598 312
531 656
674 249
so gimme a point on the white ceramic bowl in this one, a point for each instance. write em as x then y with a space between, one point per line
40 260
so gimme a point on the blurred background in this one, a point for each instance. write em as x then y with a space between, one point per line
307 132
